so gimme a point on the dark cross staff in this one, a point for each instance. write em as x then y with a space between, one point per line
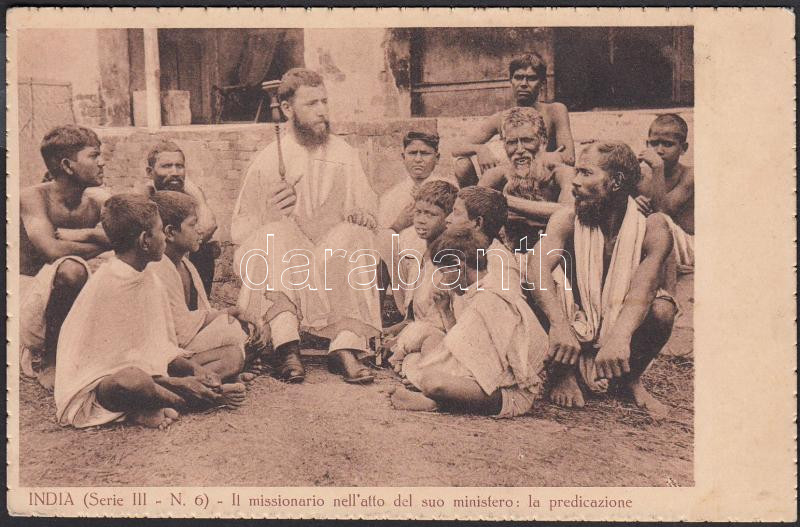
271 87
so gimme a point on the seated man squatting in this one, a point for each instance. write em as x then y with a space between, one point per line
620 315
492 358
118 356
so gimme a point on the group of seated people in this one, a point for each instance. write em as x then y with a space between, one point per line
500 270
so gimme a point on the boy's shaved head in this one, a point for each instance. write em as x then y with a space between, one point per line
125 217
64 142
460 244
672 120
174 207
439 193
487 203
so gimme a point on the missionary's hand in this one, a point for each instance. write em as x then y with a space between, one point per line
564 347
644 204
551 160
486 159
612 358
405 219
283 197
649 157
359 217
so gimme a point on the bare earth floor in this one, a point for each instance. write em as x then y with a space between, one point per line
328 433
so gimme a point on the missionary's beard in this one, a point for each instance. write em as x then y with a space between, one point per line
307 136
591 212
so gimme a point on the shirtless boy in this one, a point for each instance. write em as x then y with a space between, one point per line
666 143
59 230
621 316
527 75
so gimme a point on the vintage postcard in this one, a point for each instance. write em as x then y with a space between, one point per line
402 263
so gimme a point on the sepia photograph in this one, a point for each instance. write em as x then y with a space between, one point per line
385 256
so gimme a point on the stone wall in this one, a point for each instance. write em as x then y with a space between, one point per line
218 156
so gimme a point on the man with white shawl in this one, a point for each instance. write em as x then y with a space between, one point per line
304 223
620 317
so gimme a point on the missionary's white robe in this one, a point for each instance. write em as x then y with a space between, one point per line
328 294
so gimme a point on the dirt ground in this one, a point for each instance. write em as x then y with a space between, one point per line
328 433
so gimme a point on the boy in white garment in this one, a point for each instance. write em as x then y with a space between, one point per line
210 337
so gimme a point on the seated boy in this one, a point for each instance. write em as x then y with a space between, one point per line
491 359
396 208
61 240
533 189
209 336
674 196
118 345
434 202
486 210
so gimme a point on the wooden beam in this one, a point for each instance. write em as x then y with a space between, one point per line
152 76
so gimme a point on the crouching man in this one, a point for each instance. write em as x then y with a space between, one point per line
621 316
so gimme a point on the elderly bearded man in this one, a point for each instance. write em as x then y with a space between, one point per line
316 225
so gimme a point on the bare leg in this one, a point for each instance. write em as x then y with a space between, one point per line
134 391
210 366
459 394
225 361
646 343
566 392
70 278
465 172
404 399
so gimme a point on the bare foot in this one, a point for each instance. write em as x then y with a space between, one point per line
409 385
159 418
647 402
414 401
233 394
566 392
246 377
47 377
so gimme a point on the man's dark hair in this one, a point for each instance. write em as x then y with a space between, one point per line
528 60
125 217
619 158
64 142
460 244
162 146
174 207
487 203
673 119
432 140
293 79
439 193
